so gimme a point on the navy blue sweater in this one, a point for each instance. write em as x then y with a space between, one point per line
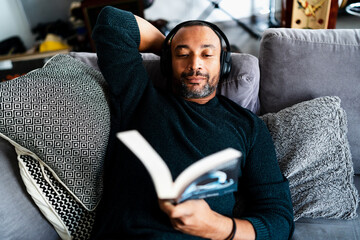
181 132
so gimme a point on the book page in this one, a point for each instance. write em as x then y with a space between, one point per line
157 168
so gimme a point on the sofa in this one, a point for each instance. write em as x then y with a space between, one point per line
303 84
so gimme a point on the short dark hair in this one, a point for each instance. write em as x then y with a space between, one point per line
190 24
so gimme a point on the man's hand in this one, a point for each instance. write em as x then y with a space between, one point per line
151 39
195 217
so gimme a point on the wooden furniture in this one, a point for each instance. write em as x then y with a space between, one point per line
309 14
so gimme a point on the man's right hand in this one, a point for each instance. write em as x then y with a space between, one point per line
195 217
151 39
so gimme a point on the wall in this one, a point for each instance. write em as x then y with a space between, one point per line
43 11
17 17
13 22
176 11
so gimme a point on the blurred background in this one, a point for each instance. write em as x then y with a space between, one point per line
37 26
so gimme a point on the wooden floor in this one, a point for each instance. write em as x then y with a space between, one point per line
242 41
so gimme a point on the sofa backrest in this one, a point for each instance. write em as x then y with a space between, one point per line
241 86
298 65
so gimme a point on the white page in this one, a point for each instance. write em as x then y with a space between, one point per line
157 168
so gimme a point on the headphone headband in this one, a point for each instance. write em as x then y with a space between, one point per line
215 28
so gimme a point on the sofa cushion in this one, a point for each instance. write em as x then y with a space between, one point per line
307 228
241 86
298 65
59 118
19 216
313 152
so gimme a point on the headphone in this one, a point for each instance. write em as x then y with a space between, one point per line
225 56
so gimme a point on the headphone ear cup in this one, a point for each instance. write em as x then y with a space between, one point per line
225 61
222 61
226 67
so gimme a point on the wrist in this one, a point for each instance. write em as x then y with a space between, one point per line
221 228
233 230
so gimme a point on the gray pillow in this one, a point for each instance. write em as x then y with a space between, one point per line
313 152
58 119
241 86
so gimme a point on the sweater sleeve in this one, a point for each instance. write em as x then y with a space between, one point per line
117 38
269 206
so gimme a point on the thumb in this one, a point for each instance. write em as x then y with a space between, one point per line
166 206
183 209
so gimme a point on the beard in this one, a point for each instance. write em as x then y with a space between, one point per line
187 92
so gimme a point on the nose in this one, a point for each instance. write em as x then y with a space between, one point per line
195 62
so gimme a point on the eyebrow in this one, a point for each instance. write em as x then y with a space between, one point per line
187 46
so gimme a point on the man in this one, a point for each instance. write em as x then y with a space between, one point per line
184 124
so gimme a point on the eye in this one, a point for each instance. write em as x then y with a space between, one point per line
182 55
207 54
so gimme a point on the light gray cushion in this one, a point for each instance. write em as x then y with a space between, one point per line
298 65
19 216
241 86
313 152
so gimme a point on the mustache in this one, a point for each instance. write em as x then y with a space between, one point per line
193 73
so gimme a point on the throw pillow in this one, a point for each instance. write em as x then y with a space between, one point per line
68 216
58 117
313 152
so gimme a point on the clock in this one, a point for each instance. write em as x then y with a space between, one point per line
310 14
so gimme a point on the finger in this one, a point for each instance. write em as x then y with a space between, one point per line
177 223
184 209
166 206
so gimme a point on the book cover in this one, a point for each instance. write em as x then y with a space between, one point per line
216 182
214 175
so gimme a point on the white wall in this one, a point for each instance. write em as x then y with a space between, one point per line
13 22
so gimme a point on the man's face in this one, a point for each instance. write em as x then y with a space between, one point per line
195 52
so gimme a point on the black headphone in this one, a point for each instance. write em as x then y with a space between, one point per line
225 57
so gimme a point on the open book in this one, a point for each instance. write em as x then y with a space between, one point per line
214 175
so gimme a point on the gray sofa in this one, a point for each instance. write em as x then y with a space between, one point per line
300 65
293 66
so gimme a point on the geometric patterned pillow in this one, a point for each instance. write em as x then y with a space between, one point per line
59 116
70 219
